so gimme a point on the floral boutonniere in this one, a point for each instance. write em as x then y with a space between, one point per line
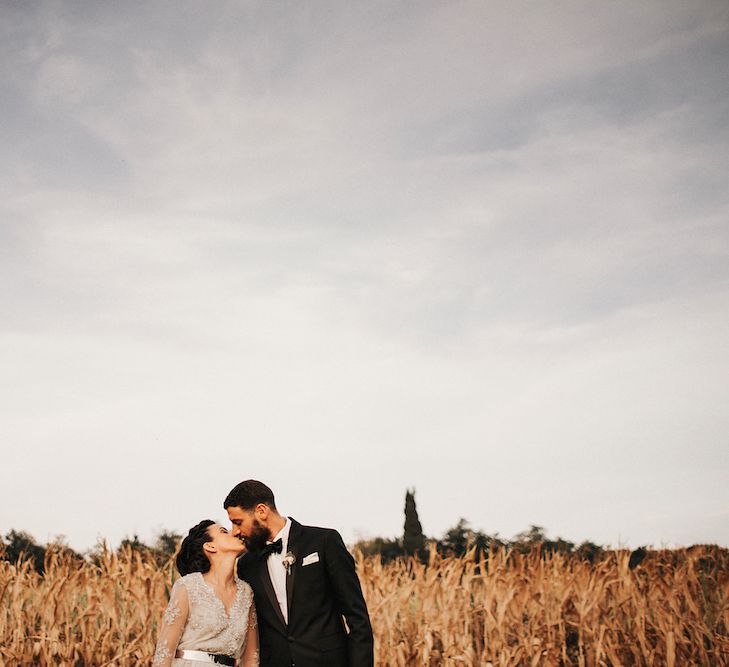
288 560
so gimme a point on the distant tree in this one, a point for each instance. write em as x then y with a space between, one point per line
559 545
387 549
413 540
460 538
59 545
167 542
484 542
166 545
589 551
456 539
19 544
637 557
536 538
133 544
535 535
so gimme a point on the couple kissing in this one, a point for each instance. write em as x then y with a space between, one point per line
269 592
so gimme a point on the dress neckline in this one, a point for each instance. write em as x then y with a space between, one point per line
215 595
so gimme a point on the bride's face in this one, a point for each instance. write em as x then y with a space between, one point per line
223 540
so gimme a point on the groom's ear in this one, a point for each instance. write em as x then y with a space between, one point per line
261 511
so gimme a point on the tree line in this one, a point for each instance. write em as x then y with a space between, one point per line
461 539
458 541
17 544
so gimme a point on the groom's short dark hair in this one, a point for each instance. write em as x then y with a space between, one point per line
248 494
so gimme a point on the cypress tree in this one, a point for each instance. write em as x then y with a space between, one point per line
413 539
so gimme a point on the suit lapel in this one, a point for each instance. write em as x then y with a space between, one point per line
268 587
294 534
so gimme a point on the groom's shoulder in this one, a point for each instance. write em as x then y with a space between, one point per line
319 532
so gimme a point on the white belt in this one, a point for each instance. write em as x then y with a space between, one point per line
204 656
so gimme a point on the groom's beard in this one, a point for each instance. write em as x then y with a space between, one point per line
258 537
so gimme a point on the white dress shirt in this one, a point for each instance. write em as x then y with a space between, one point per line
277 570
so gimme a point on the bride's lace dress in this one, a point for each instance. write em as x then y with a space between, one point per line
196 620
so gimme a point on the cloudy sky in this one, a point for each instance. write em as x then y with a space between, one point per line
476 248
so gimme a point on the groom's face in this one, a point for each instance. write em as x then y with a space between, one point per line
248 528
258 537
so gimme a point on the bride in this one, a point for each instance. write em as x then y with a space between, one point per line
211 617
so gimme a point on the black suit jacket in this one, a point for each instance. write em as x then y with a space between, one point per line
319 595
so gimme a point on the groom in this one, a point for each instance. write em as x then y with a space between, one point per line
304 582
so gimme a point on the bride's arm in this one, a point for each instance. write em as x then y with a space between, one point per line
250 657
173 623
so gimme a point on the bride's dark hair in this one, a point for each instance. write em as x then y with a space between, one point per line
191 556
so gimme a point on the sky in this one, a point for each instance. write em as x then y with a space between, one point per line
479 249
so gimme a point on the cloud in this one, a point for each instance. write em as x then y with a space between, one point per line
472 247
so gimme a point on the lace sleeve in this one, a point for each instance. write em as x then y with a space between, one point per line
173 623
250 657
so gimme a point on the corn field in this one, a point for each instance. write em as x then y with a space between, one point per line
506 609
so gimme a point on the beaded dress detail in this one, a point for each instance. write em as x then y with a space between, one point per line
196 620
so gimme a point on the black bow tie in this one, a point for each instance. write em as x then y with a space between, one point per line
272 548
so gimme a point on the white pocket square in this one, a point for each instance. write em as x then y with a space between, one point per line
311 558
